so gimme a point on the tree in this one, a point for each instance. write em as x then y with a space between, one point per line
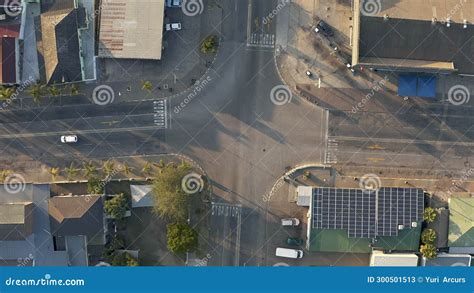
171 201
4 174
90 170
428 250
123 259
147 86
74 89
54 91
181 238
71 171
127 170
117 206
429 215
36 92
428 236
147 168
95 186
109 168
6 93
209 45
54 171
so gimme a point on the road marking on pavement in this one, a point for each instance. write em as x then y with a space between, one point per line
160 110
261 40
331 150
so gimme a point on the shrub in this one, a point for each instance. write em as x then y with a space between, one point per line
181 238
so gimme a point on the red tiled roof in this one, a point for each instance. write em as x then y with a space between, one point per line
8 60
12 31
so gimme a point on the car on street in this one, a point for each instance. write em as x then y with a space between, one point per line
174 26
69 138
173 3
289 252
324 28
290 222
294 241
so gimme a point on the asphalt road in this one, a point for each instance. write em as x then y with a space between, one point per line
231 127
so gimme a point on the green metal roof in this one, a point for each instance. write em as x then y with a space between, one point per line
461 222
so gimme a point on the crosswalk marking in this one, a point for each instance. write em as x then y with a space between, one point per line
160 110
261 40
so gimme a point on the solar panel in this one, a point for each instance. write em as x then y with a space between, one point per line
366 213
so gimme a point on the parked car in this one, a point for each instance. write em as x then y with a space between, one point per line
294 241
290 222
289 253
173 3
69 138
324 28
175 26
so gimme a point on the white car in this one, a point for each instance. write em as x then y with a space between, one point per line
290 222
175 26
289 253
173 3
69 138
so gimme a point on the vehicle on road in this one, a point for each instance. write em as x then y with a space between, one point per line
173 3
309 74
289 252
175 26
290 222
294 241
324 28
69 138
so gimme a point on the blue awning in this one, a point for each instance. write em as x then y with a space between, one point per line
407 85
426 86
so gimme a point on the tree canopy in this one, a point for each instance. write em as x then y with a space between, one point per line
171 201
181 238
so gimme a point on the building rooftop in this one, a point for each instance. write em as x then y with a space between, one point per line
410 41
76 215
131 29
16 221
58 42
380 259
448 260
461 222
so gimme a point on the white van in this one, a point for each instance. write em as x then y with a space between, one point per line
290 222
289 253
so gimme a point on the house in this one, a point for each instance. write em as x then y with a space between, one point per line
358 220
10 31
131 29
76 223
61 31
461 225
39 230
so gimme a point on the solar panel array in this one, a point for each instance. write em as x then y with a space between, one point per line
366 213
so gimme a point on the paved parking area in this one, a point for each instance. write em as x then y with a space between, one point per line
280 207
